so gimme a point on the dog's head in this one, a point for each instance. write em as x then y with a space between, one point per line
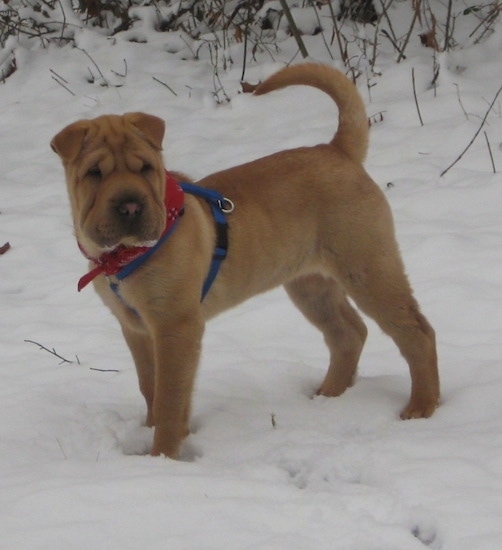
116 179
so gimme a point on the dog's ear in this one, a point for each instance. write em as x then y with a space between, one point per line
68 143
152 127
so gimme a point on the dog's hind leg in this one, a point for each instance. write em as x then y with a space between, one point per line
324 303
381 289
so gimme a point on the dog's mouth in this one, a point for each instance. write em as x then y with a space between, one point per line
128 242
128 220
109 236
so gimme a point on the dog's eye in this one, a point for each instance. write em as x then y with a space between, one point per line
146 168
94 172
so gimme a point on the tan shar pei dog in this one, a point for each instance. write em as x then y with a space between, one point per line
166 255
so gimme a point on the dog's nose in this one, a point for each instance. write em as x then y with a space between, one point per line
130 209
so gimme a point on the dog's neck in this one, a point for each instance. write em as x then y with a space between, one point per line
116 260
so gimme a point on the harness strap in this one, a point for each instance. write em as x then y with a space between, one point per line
219 207
132 266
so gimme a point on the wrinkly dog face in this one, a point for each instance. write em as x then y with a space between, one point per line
116 179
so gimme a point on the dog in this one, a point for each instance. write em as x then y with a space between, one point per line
309 218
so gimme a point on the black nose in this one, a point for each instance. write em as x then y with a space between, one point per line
130 209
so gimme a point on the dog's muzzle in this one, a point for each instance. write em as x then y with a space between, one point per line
130 216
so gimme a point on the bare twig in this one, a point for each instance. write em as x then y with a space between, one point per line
124 74
460 102
475 135
412 26
164 84
490 151
105 82
394 43
336 29
322 31
487 22
415 96
51 351
385 13
435 73
61 81
58 76
104 370
4 248
61 449
63 359
273 420
246 39
447 30
63 24
294 29
217 84
376 118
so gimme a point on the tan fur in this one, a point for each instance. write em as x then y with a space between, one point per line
309 218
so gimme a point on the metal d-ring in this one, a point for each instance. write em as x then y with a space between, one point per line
226 205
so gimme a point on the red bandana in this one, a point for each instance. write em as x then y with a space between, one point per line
110 263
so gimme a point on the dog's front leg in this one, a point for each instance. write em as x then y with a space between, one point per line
141 346
176 350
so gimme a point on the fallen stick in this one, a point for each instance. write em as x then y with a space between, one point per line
51 351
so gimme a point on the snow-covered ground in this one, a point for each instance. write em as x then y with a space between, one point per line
267 466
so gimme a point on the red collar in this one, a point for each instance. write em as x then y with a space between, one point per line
111 263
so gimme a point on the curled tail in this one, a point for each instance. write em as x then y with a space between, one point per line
353 129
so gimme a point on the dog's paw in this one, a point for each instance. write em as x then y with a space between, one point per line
419 408
335 389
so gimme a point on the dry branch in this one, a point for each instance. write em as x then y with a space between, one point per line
164 84
294 29
490 152
51 351
415 96
63 359
475 135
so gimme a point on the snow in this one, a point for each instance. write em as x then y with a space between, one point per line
267 466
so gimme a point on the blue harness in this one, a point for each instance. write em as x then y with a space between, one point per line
219 207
